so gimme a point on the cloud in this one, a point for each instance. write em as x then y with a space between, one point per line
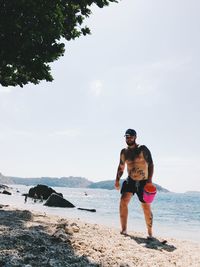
148 78
179 162
68 133
11 133
96 87
172 64
33 134
5 90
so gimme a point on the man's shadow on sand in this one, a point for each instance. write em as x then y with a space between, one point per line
153 243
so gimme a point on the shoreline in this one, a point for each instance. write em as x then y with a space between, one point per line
30 238
134 224
178 226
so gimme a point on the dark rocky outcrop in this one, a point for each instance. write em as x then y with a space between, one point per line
41 192
91 210
3 206
57 201
6 192
4 189
3 186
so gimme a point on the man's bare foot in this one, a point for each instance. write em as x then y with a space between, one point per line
123 232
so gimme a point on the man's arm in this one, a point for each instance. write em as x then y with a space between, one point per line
150 172
149 160
120 170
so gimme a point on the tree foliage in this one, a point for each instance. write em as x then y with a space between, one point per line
31 32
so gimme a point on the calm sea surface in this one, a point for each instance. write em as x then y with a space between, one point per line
175 215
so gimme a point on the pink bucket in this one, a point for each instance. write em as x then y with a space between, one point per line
149 193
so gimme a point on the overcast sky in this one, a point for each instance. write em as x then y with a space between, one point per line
139 69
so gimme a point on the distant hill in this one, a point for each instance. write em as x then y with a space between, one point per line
5 179
50 181
73 182
192 192
109 184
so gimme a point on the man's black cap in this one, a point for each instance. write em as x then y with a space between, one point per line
130 132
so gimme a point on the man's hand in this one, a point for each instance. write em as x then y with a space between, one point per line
117 185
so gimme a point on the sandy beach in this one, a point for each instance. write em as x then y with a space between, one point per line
36 239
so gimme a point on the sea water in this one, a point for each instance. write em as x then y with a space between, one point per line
176 215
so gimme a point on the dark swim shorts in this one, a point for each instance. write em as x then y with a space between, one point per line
131 186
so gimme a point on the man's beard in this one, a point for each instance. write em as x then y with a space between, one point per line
130 143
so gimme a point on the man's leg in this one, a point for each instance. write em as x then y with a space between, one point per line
125 199
148 217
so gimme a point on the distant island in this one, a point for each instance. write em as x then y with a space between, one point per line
192 192
73 182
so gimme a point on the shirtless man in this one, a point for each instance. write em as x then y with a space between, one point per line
140 171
